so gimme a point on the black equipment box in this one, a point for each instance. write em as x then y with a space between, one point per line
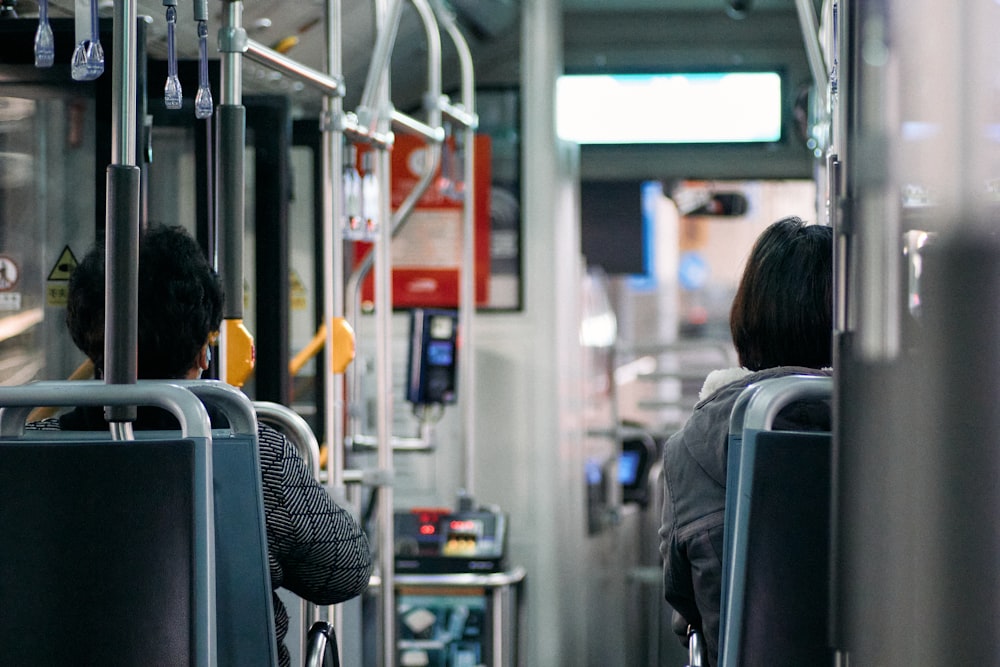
435 541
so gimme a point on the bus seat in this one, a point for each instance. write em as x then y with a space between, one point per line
108 546
736 420
775 603
244 623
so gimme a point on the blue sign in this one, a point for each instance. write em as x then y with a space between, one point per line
693 271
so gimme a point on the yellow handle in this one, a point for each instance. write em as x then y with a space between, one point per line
343 345
239 351
308 352
343 348
286 44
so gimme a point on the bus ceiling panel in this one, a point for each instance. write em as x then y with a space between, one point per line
704 6
297 29
664 40
638 34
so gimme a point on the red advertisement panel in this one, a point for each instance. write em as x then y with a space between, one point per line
427 251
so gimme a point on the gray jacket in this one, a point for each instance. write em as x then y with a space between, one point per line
694 477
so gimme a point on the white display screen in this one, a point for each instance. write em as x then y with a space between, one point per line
721 107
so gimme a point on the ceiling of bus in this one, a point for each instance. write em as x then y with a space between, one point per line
624 34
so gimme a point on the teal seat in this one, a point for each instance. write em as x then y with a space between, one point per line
243 612
108 547
775 607
245 622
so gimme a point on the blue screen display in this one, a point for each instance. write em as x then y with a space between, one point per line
440 353
628 467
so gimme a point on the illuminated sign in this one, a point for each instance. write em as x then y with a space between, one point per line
720 107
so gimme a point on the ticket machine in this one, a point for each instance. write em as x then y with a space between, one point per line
456 601
430 540
433 357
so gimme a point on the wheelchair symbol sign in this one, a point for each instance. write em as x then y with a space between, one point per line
9 274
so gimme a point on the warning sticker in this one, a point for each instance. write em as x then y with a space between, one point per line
57 285
9 274
64 266
298 290
57 293
10 301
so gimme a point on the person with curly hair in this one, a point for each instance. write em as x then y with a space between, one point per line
316 549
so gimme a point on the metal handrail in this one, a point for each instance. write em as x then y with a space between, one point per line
18 401
326 84
466 116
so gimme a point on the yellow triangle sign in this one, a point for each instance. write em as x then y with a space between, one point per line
297 291
64 266
295 282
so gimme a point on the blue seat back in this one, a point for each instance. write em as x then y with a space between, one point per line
777 533
108 547
97 556
732 490
243 618
245 622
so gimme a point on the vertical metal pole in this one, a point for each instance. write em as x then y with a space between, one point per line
122 223
231 132
333 252
383 359
810 39
123 83
878 225
230 201
467 287
333 262
468 371
383 369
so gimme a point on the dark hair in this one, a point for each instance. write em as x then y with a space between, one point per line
782 314
180 303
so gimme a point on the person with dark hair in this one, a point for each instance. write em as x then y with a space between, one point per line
180 305
316 549
782 324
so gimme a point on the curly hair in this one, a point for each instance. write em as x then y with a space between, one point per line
180 303
782 314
